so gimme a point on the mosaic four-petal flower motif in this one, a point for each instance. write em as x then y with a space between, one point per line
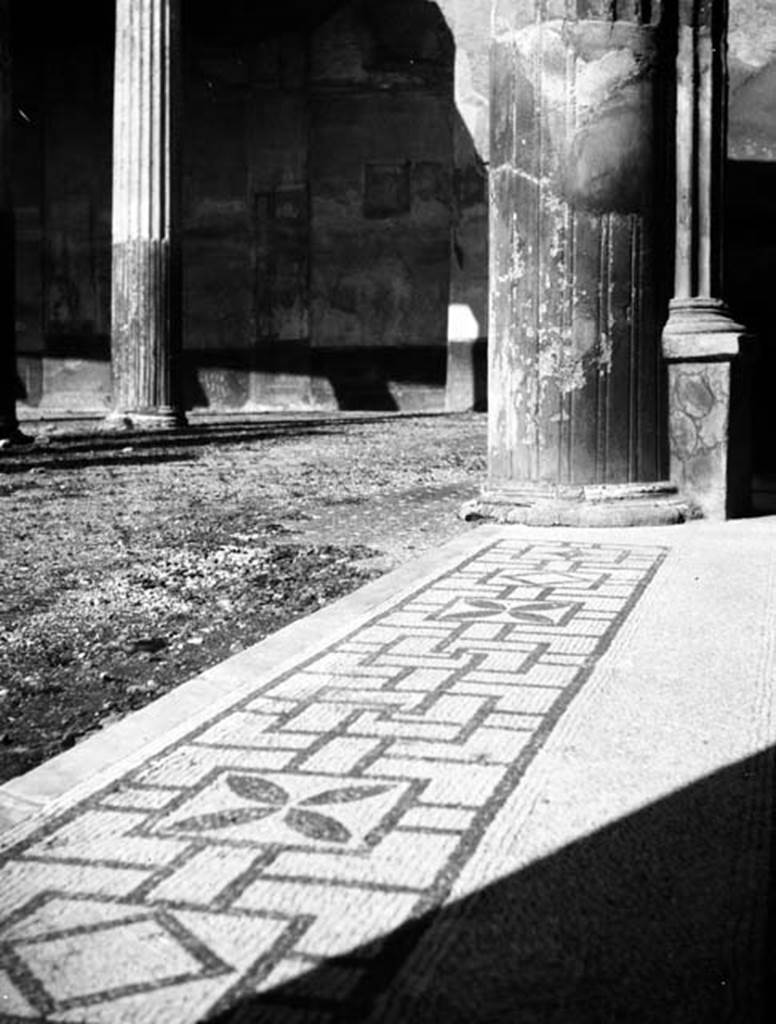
538 611
270 798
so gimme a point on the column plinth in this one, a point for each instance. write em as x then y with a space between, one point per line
707 352
578 167
146 286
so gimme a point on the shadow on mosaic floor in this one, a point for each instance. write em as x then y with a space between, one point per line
652 919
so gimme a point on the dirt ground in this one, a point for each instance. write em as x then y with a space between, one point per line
130 563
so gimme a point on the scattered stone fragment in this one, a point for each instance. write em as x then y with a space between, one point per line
149 644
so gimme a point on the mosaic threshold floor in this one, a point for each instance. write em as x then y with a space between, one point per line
323 816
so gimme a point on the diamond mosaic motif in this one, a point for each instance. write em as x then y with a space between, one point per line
548 579
116 957
320 811
95 960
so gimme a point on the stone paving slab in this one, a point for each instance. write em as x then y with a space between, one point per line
331 825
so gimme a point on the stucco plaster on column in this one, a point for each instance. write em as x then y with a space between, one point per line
577 161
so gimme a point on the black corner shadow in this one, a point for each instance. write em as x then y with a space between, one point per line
750 269
665 916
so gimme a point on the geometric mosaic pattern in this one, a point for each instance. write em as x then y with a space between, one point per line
317 815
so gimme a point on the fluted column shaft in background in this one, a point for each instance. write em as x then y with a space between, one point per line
706 350
701 132
146 285
577 281
8 423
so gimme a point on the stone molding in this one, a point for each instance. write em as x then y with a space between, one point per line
597 505
702 328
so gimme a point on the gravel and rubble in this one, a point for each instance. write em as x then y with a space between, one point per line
130 563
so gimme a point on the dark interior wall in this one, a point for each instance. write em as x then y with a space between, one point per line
217 244
325 169
381 152
61 175
750 237
318 209
246 214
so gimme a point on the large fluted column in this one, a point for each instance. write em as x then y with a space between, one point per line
709 372
146 291
576 424
8 424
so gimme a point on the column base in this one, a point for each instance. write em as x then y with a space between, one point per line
701 328
709 388
156 419
638 504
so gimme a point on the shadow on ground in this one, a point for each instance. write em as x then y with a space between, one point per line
663 916
104 448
